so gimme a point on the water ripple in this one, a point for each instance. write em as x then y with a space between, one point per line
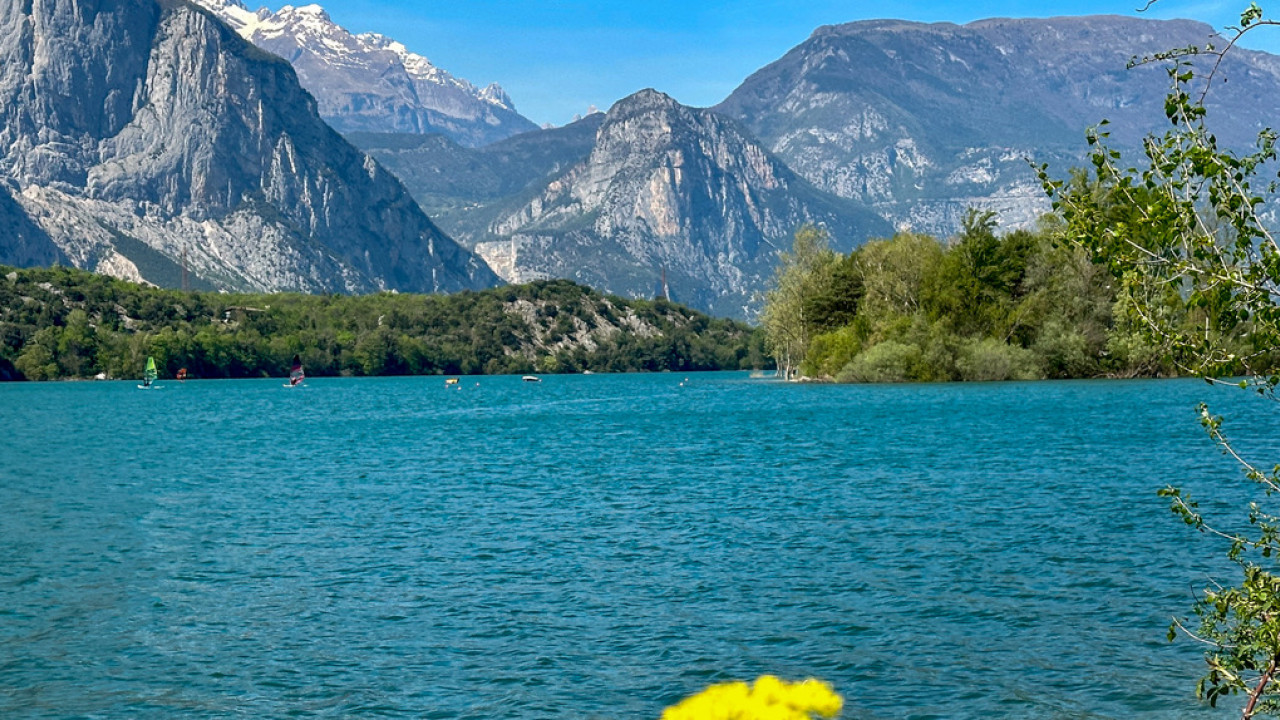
599 546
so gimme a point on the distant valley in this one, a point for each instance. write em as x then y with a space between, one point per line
869 128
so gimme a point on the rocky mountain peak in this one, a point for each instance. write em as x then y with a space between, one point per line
645 100
309 21
646 122
493 93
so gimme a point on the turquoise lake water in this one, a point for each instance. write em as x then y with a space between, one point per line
601 546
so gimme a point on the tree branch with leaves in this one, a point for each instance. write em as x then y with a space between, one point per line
1188 233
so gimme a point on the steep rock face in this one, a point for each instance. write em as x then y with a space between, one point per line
666 188
923 120
140 132
371 83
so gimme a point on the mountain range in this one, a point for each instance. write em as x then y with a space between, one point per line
161 139
922 121
871 127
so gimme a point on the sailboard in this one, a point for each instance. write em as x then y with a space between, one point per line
149 376
296 375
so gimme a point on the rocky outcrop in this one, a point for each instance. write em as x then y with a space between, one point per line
923 120
22 242
371 83
138 134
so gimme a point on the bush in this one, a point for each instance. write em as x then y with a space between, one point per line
830 352
1064 351
989 359
889 361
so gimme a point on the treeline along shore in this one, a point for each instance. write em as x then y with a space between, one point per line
1022 305
66 323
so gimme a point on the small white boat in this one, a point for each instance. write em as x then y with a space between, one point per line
531 378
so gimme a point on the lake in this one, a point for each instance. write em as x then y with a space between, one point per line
602 546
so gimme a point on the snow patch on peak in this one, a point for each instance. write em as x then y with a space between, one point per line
216 5
308 19
311 9
420 68
493 93
237 15
411 60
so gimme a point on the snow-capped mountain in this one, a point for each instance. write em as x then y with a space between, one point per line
371 83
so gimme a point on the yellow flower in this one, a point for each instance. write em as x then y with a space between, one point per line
769 699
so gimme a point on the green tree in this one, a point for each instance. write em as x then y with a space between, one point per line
894 273
835 296
77 345
787 332
980 281
1199 269
38 359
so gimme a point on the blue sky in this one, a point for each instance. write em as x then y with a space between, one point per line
557 57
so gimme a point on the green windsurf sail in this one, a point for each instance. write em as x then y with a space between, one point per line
149 375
